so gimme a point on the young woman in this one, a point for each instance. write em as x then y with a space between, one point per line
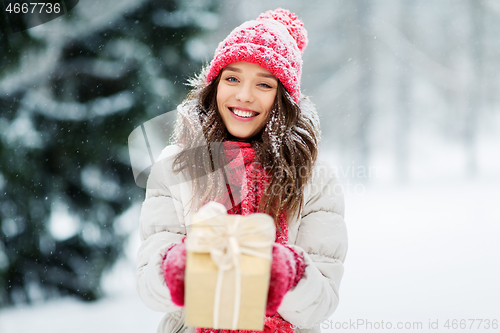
247 138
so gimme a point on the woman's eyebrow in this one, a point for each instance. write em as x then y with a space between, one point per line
270 76
233 69
237 70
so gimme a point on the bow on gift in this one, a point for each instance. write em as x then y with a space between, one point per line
226 237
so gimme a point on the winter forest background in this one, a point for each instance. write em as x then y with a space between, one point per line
407 93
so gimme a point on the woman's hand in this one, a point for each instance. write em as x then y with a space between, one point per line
287 269
174 267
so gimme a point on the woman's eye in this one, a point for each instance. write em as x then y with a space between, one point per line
265 85
232 79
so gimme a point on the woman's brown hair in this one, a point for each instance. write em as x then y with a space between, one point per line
286 148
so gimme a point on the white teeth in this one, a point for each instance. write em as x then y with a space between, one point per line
242 113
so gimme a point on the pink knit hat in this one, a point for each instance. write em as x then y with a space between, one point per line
274 41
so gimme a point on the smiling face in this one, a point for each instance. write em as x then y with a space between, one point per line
245 96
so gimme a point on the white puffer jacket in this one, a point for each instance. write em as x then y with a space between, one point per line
320 235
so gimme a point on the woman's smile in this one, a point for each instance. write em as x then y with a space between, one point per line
245 96
243 114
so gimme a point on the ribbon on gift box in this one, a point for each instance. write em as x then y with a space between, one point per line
226 239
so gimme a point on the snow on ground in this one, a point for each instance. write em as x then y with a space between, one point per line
417 253
421 253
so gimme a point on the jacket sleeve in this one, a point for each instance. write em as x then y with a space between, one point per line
160 227
322 240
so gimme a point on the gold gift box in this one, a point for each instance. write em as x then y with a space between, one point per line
202 272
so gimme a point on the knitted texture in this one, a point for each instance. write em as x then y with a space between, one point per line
283 271
174 268
300 266
275 41
248 181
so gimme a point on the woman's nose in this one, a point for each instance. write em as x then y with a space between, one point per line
245 93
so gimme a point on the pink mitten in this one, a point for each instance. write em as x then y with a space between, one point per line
174 266
287 269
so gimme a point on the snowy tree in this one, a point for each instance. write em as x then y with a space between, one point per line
71 91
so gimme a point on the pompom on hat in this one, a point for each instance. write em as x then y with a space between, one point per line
275 41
